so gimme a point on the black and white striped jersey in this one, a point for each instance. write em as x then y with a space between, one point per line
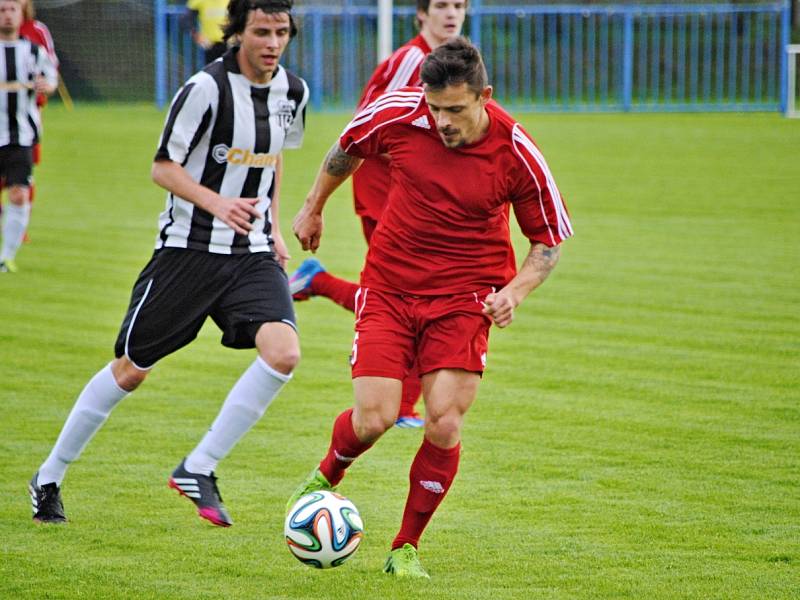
228 132
21 62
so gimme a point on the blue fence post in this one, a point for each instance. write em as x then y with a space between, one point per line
785 18
475 22
316 71
627 62
349 50
160 52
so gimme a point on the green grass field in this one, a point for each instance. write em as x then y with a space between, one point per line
637 433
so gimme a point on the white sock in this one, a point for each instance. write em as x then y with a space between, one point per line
91 410
244 406
14 226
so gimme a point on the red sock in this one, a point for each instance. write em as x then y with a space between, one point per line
412 388
345 448
431 475
340 291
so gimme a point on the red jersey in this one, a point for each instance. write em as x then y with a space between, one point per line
38 33
401 69
444 229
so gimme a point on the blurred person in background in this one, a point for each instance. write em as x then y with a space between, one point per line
210 16
26 72
38 33
439 21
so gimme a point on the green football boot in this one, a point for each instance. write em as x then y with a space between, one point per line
404 562
315 482
8 266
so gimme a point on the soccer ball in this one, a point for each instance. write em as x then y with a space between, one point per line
323 529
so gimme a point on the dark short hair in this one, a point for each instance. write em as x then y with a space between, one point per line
238 11
454 63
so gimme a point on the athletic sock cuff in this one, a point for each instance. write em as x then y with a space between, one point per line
270 371
442 453
114 379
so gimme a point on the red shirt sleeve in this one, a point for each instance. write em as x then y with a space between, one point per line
401 69
363 136
538 206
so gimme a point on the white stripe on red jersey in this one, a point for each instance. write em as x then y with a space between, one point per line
401 69
532 158
382 103
410 65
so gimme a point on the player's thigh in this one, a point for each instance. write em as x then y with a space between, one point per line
384 344
171 299
258 293
455 334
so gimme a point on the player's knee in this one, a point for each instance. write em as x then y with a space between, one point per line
18 195
369 426
127 376
443 430
283 360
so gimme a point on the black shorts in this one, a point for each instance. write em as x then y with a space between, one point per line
16 165
179 288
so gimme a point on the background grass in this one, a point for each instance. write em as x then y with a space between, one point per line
637 433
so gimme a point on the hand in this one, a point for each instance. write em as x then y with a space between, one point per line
202 41
237 213
307 227
281 251
40 86
500 307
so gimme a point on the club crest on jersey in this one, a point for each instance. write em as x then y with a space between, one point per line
237 156
284 115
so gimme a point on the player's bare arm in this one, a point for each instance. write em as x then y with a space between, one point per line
336 168
536 267
339 163
236 213
281 251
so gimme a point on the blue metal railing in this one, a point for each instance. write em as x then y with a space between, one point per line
705 57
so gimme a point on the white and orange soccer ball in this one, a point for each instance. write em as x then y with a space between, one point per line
323 529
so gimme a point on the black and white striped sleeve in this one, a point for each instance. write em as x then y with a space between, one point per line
190 115
294 136
45 66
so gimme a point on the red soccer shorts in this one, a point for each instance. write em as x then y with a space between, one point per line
438 332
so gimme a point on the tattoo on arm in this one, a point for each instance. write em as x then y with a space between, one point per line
543 259
338 163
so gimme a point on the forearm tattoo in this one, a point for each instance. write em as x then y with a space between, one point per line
543 259
338 163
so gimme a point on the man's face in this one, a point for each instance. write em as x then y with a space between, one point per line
458 113
444 19
263 41
10 17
